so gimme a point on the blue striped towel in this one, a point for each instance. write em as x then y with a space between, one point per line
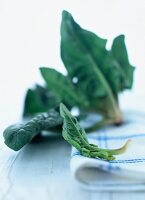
127 172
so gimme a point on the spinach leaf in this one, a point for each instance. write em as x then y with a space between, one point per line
38 100
100 73
75 135
62 87
18 135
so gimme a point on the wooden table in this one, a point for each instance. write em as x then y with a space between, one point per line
41 171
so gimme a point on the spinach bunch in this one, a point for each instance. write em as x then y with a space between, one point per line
95 75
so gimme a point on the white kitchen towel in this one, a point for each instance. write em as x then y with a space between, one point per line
127 172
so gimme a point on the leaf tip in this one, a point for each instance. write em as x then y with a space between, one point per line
42 69
65 14
62 109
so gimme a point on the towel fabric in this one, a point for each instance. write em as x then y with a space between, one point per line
127 171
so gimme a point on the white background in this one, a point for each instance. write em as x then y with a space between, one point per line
30 36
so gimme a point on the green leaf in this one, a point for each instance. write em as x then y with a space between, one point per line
18 135
97 71
78 48
38 100
75 135
72 131
120 53
62 87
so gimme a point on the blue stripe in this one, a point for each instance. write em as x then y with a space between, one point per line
106 142
107 147
104 138
99 140
136 160
118 184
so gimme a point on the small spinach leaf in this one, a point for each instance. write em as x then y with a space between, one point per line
75 135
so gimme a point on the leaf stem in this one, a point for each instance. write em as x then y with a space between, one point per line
117 115
120 150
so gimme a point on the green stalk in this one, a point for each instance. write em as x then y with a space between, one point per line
120 150
116 114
